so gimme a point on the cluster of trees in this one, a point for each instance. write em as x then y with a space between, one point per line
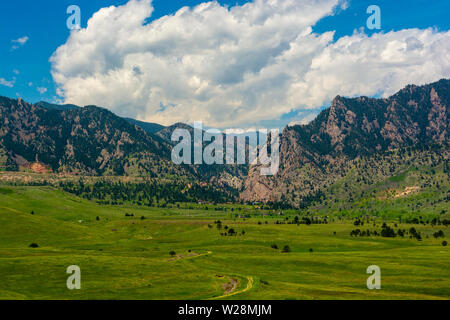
415 234
231 232
363 233
304 220
308 221
439 234
433 222
286 248
305 202
388 232
310 199
280 205
228 231
150 193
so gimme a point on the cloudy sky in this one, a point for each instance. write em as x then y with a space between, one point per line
230 64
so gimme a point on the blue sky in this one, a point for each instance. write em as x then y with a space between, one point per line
25 68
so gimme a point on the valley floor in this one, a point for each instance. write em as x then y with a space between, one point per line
124 253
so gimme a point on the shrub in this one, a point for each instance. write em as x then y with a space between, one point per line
286 249
274 246
439 234
444 243
34 245
172 253
387 231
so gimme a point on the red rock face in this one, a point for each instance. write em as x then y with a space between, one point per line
39 168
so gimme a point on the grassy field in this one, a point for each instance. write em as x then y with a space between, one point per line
127 257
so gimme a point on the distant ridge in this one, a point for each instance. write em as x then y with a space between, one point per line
60 107
147 126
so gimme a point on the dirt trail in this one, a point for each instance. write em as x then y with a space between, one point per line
231 286
190 256
229 290
235 283
12 210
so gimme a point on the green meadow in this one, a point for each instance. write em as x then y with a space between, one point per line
133 252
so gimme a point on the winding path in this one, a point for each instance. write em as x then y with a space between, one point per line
232 293
190 256
226 295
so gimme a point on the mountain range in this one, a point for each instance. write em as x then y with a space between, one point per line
314 156
352 132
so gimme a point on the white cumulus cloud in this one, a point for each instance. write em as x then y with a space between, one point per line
7 83
19 42
41 90
235 66
378 65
